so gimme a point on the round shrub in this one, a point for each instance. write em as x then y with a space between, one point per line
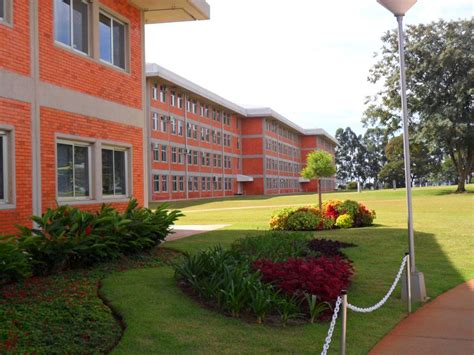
344 221
303 221
280 217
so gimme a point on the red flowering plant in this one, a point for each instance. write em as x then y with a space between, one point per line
323 277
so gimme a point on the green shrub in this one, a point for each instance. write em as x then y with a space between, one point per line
352 185
276 246
344 221
279 218
67 237
303 221
14 263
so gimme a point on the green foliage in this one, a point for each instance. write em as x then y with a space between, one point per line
279 218
319 164
67 237
439 71
14 264
352 185
303 221
315 308
276 246
344 221
225 278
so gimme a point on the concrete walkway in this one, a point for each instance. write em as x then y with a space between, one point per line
443 326
184 231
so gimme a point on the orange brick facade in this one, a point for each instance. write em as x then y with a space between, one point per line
265 154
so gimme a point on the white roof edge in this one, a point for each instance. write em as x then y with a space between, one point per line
153 70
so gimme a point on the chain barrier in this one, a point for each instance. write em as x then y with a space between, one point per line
385 298
328 339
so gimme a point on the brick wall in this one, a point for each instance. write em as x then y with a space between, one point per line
54 121
15 40
17 114
62 67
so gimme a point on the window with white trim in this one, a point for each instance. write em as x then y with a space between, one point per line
163 93
156 183
73 170
3 167
164 183
155 120
180 101
155 91
181 183
156 152
112 34
114 171
3 9
173 98
164 153
174 183
71 23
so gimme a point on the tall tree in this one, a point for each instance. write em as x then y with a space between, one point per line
319 164
351 157
440 82
375 140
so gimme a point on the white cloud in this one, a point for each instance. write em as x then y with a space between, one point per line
306 59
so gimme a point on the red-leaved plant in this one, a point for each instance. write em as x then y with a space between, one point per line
323 277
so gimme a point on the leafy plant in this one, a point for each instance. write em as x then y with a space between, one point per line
328 247
315 308
344 221
14 263
302 221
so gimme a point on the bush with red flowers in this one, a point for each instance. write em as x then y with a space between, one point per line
323 277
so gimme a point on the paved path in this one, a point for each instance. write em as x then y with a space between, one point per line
441 327
184 231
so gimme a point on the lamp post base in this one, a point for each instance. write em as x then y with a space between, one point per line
418 289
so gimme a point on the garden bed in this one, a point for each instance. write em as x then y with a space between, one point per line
275 278
334 214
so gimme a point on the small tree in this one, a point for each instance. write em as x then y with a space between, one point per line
319 164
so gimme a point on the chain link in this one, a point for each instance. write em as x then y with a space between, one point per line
383 300
327 341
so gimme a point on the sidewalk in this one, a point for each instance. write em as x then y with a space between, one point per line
443 326
184 231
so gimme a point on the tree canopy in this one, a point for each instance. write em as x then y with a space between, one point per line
440 83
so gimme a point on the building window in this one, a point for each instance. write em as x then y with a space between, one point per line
155 121
163 123
73 170
196 183
3 9
195 157
174 158
156 183
173 125
173 98
194 106
189 130
156 152
112 40
181 183
190 183
174 184
3 168
164 153
114 172
180 128
164 183
203 183
163 93
71 23
155 91
180 101
208 180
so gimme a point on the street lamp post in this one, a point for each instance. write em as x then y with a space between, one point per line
418 290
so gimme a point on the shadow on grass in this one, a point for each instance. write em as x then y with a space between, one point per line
161 318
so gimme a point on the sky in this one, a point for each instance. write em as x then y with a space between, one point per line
308 60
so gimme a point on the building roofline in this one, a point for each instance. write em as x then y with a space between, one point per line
155 70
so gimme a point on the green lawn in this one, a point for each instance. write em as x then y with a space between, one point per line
160 319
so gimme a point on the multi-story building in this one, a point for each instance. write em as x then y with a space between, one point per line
72 102
202 145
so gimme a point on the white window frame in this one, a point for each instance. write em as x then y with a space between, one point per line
163 90
156 179
155 119
5 199
127 170
125 45
89 152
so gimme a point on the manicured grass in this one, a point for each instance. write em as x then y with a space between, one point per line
160 318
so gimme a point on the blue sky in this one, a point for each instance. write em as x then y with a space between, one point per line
307 59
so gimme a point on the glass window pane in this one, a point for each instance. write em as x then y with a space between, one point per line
62 21
107 172
65 171
81 171
2 9
105 29
119 44
2 172
80 20
120 178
